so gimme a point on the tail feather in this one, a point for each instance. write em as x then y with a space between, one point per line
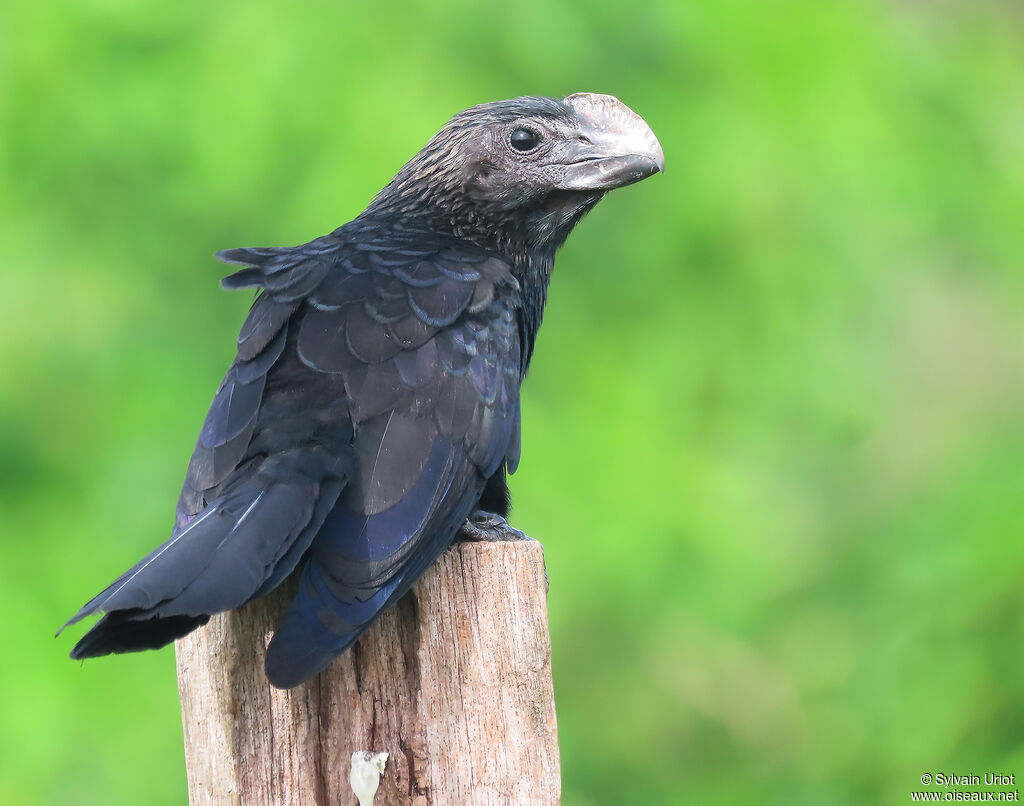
318 627
328 615
117 632
251 536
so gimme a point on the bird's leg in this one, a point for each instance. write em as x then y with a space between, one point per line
487 527
487 523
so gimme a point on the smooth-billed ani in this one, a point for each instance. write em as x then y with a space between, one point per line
373 406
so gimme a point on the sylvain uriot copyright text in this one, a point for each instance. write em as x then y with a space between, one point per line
946 780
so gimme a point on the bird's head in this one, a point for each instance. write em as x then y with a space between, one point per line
524 172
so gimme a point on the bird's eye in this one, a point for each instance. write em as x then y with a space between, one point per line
524 139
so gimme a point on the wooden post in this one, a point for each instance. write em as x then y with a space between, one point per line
454 683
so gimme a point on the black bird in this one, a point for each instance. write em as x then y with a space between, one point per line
373 406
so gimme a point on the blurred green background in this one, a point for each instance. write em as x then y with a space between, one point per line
773 431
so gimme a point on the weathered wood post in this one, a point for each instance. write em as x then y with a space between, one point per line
454 683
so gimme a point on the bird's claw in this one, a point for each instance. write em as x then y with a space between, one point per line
487 527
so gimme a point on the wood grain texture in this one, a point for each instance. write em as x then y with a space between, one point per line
454 682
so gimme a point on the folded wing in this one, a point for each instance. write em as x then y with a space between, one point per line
375 390
428 345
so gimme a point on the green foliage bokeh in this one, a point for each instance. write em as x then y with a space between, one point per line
773 440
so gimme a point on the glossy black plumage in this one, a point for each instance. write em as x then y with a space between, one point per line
374 400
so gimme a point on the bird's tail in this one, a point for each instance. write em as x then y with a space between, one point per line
239 547
339 598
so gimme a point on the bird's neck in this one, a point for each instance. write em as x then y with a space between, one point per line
534 273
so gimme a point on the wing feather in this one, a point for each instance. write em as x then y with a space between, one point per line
375 391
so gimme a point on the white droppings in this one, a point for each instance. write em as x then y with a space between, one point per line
367 768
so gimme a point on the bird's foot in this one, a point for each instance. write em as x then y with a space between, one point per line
487 527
